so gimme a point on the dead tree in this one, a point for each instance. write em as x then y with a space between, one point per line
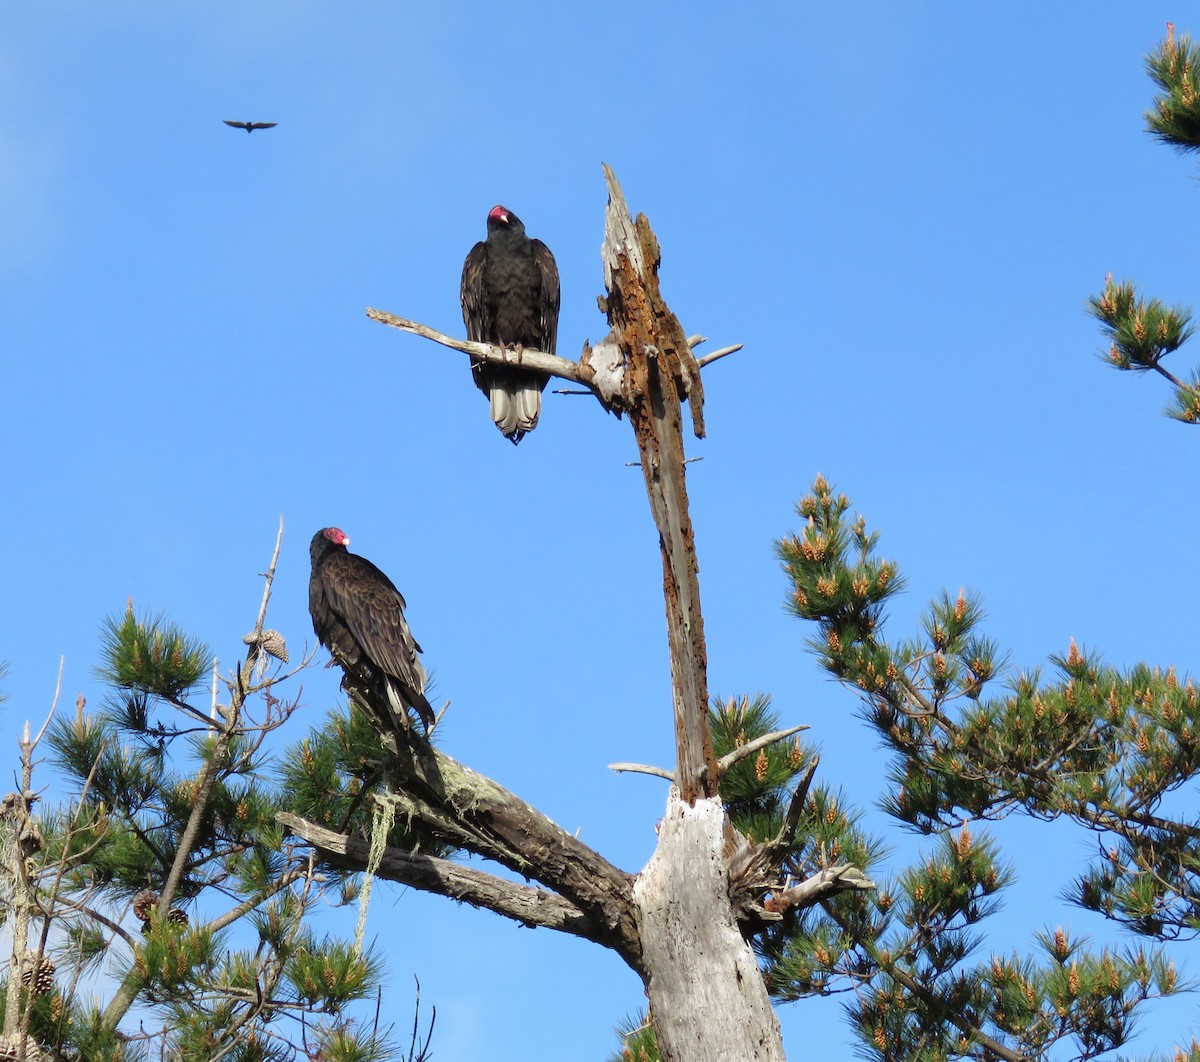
683 923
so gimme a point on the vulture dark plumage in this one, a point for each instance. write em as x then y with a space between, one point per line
250 126
510 298
358 615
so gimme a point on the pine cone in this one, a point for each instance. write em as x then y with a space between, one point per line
10 1049
270 640
38 977
144 903
177 916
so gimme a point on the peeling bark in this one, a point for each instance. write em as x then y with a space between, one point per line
707 997
660 373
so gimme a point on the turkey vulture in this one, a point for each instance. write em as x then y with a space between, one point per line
250 126
510 298
358 615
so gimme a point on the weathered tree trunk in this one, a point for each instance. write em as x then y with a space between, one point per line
708 1000
677 922
20 840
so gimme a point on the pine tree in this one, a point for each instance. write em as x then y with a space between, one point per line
764 881
164 884
1090 745
1142 332
757 857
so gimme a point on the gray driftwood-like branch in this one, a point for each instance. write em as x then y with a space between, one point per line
526 904
716 355
537 360
823 884
600 368
782 842
723 764
751 747
442 797
642 768
707 995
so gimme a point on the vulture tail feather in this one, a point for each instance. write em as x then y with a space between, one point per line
516 404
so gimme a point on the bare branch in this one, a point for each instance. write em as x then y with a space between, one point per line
526 904
92 913
751 747
62 662
688 461
24 834
823 884
536 360
708 359
473 812
600 369
424 1054
269 578
783 839
641 768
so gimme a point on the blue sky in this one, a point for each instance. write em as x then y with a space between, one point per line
898 210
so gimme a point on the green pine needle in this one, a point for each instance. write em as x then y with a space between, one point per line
151 655
1185 402
1175 115
1141 332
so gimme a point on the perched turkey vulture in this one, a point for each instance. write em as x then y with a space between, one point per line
358 615
510 298
250 126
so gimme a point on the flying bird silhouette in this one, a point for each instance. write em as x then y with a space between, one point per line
250 126
510 297
358 615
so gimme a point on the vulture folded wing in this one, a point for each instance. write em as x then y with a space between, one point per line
471 295
372 610
550 297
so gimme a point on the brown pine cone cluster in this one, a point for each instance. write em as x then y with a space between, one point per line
146 901
10 1049
38 976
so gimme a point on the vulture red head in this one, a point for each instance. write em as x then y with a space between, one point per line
336 535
